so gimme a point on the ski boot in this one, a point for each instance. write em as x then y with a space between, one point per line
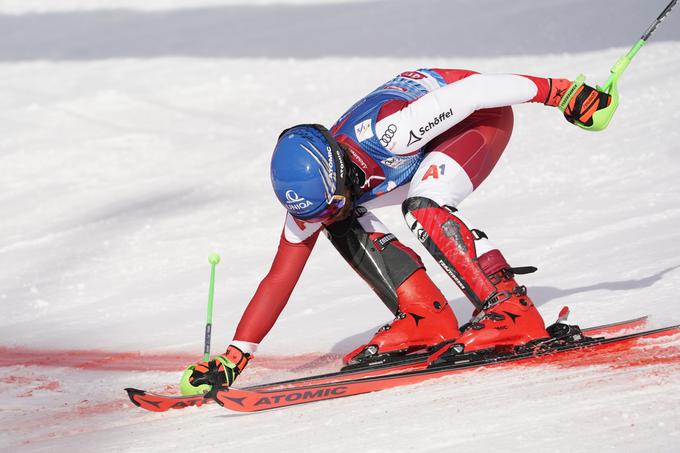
510 319
424 320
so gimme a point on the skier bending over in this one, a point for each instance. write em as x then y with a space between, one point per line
425 140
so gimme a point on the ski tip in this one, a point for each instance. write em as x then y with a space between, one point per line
132 393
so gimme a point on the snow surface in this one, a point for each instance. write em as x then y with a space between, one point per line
118 176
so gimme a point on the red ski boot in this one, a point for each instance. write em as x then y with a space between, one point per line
506 316
424 319
511 319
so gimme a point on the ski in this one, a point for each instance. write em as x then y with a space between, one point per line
417 361
161 403
243 400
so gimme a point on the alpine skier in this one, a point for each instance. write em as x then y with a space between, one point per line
424 140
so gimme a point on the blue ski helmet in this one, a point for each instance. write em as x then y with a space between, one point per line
308 173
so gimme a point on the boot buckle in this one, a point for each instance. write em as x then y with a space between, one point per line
495 299
520 291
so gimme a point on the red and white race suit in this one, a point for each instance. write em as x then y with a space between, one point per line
434 133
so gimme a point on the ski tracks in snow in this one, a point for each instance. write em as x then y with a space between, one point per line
53 403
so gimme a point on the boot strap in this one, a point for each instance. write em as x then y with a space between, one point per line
521 270
495 299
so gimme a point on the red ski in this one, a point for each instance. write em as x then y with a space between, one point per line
252 401
414 362
161 403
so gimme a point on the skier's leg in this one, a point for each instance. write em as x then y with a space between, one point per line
374 253
397 275
456 164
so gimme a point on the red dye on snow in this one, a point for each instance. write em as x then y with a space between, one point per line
633 353
17 380
31 384
86 407
623 354
636 356
51 385
93 359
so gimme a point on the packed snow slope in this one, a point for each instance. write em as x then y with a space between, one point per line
120 174
98 29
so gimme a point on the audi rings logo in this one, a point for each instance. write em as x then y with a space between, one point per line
388 135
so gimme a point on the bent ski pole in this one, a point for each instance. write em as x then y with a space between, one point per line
602 117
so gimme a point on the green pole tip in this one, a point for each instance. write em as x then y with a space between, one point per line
214 258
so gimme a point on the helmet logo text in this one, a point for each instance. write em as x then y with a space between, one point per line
295 202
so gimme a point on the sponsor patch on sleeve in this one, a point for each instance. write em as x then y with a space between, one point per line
363 130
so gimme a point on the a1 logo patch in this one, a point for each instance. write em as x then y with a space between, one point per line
433 171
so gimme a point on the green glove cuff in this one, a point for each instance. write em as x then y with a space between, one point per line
571 91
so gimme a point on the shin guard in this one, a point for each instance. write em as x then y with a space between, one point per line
452 244
379 258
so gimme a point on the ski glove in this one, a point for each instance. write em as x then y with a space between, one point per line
222 370
584 102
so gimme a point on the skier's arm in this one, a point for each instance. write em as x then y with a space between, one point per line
581 100
420 121
295 246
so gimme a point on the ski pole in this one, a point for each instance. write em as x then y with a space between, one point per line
184 385
602 117
625 60
213 259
